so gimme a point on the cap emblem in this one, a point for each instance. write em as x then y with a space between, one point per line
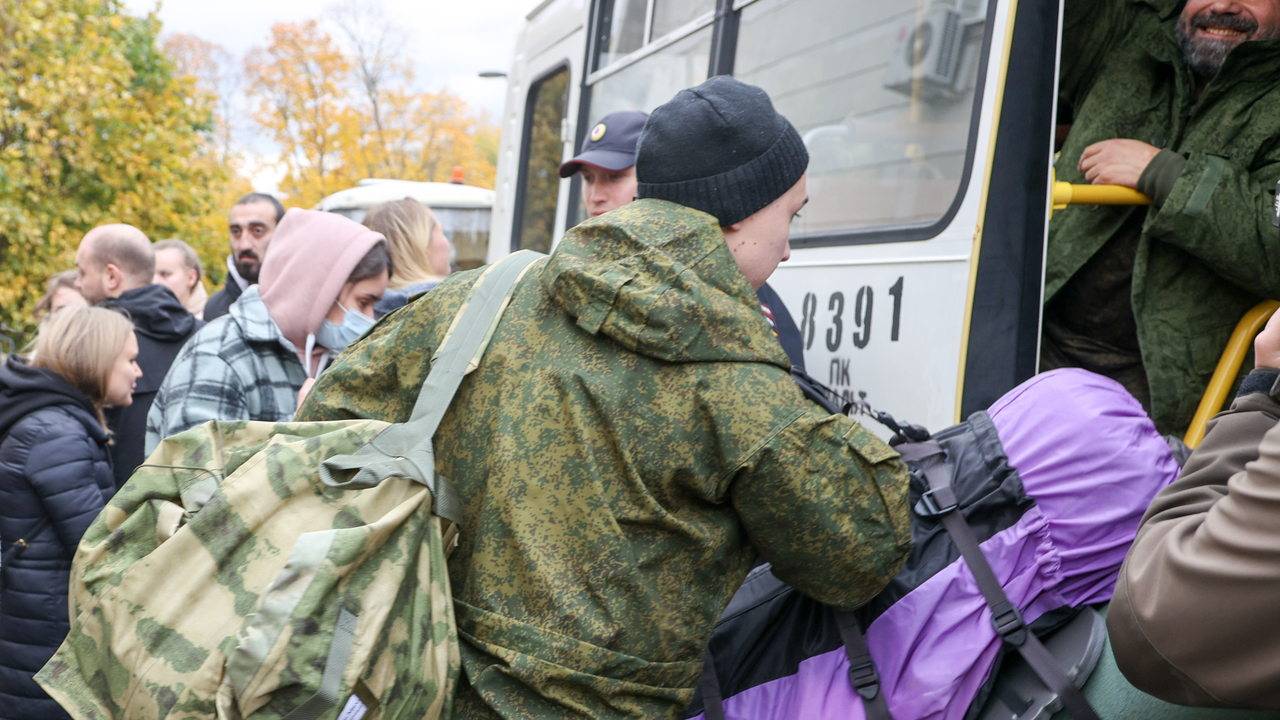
597 132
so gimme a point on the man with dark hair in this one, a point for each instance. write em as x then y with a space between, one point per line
1181 103
117 264
607 164
253 221
632 441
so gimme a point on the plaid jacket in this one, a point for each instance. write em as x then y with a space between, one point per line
238 367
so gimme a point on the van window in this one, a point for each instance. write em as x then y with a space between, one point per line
468 233
540 178
882 92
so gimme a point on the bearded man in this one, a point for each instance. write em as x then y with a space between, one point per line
1182 104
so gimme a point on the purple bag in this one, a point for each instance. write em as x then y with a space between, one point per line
1053 479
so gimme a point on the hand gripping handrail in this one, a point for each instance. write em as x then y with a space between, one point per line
1224 376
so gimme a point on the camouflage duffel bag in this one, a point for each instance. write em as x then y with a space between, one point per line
279 570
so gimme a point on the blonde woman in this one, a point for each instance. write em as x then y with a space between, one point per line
55 476
178 268
419 250
59 292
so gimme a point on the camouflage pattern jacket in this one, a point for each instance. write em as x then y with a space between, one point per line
630 443
1208 251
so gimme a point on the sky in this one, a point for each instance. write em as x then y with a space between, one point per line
449 41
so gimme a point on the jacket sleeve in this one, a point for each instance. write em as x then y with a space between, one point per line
199 387
825 502
60 468
1193 616
1220 211
1090 28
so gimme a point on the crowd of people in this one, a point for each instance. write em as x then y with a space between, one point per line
131 348
656 364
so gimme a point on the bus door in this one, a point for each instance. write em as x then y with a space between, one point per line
537 129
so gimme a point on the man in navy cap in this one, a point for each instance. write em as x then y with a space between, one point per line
608 166
608 161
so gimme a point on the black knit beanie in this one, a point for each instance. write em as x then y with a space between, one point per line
720 148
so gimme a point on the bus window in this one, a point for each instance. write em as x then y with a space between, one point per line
647 83
539 189
656 79
670 15
883 94
626 29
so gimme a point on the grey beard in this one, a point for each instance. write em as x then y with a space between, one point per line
1204 56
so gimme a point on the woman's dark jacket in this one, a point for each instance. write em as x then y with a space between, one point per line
55 476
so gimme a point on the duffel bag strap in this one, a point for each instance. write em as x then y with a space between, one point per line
940 501
404 449
862 669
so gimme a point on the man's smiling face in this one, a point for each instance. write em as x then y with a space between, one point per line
1210 29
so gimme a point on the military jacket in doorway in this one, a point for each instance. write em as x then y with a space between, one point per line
631 442
1207 250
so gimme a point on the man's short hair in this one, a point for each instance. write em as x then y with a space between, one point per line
257 197
126 247
190 260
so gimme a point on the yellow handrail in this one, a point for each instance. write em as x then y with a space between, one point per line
1065 193
1224 376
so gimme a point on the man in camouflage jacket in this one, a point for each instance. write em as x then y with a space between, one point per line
1191 117
629 445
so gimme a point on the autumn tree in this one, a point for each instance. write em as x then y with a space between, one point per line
95 126
340 116
217 74
300 82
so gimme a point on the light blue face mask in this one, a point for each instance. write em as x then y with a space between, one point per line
337 337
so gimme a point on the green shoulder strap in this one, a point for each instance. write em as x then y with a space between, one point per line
404 449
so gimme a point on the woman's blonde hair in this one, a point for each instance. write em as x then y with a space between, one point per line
81 344
407 225
65 279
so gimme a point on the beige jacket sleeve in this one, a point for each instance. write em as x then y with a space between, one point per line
1194 620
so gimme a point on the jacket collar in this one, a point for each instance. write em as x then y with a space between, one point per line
256 325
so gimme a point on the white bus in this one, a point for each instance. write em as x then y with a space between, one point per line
464 211
916 270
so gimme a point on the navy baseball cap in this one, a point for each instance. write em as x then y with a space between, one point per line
611 144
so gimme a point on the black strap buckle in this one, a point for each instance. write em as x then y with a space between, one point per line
865 679
1010 625
929 507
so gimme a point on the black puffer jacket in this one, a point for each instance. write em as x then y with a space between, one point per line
162 326
55 476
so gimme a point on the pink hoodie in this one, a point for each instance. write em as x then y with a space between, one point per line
307 263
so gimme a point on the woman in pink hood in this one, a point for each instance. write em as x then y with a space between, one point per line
316 293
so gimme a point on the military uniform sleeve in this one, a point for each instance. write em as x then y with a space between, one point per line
825 502
1192 619
1090 28
1220 211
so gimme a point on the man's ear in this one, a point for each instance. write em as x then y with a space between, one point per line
112 278
735 227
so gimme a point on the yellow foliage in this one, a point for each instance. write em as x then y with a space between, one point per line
96 127
331 137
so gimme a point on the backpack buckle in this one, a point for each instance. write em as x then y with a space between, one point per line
865 679
930 507
1009 625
